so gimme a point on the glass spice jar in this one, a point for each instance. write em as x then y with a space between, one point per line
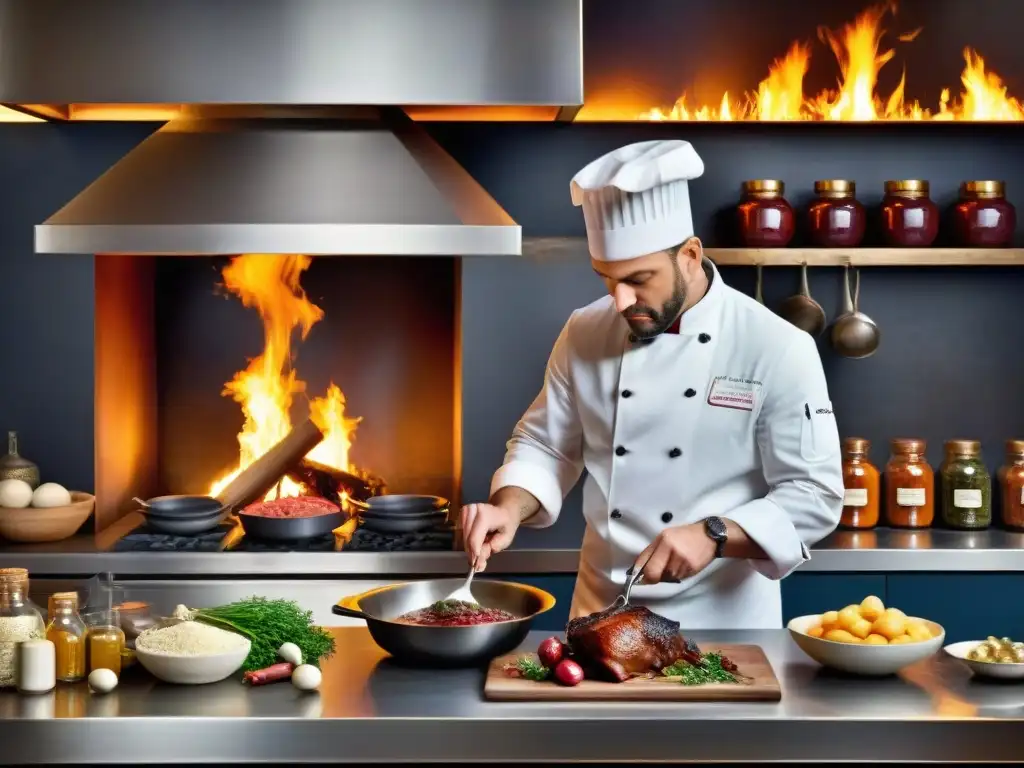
104 640
966 486
910 485
67 632
984 218
909 217
836 219
765 218
1011 485
20 620
861 481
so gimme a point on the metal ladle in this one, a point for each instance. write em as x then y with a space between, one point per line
803 311
854 334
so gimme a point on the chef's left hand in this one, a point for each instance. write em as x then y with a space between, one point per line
676 553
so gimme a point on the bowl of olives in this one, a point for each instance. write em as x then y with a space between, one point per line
999 657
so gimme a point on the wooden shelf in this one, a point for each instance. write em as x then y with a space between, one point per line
576 247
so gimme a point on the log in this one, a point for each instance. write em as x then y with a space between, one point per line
330 482
263 474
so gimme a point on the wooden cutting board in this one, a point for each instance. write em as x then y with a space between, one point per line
750 659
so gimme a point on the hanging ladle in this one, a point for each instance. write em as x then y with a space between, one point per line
854 334
803 311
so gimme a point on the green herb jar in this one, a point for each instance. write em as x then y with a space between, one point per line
966 486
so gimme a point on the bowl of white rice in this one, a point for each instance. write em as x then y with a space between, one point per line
191 652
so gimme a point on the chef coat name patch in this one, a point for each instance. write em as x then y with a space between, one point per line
734 392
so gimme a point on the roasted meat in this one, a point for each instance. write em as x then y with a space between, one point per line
623 641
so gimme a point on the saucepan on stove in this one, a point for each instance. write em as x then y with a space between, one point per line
444 645
401 512
297 518
182 515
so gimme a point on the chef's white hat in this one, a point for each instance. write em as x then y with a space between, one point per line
635 200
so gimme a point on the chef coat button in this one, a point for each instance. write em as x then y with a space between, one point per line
627 393
666 517
704 338
690 392
616 514
675 453
621 451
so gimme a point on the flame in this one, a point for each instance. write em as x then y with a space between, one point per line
266 387
861 56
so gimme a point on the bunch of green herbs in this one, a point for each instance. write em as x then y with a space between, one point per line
710 670
268 624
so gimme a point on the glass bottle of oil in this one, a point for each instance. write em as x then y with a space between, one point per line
104 641
67 632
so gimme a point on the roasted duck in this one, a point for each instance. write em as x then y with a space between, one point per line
626 640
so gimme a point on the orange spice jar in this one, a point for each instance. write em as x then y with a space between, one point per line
861 479
1011 484
910 485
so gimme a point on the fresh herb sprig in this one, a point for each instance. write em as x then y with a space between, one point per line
710 670
268 624
528 667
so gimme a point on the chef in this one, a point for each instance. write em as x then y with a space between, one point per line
702 419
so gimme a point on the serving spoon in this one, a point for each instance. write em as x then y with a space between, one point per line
464 593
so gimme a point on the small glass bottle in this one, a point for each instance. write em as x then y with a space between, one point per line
861 481
984 218
909 217
104 640
966 486
67 632
1011 484
765 218
910 485
20 620
836 219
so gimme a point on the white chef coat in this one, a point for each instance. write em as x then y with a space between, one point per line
731 417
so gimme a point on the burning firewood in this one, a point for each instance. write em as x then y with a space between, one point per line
330 483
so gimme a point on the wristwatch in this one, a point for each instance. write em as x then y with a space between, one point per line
715 528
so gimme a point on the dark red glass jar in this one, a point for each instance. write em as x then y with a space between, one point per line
765 219
909 218
836 219
984 218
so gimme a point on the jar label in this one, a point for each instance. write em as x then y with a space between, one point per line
855 497
913 218
987 218
839 218
910 497
967 498
769 218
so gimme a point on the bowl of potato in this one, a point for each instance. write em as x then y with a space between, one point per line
866 639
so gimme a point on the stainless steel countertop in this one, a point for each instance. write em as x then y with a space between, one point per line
369 709
881 550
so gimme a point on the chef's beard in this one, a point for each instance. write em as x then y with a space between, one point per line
662 318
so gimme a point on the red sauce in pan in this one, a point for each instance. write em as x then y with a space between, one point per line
299 506
454 613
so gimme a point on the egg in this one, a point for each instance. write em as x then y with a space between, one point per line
51 495
16 494
102 680
306 677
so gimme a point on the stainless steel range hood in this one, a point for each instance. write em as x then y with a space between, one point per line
309 178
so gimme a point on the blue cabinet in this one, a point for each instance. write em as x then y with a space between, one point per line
561 586
970 606
804 593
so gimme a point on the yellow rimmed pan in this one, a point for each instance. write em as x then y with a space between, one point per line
446 646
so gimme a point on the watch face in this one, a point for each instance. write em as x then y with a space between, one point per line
716 527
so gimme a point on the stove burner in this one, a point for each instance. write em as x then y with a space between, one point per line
143 540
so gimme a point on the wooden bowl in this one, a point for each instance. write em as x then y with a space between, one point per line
35 525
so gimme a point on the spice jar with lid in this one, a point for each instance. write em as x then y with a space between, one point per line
836 219
20 621
1011 485
67 631
861 481
910 485
966 486
984 218
765 218
909 217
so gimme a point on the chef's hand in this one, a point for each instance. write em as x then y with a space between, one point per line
487 529
676 553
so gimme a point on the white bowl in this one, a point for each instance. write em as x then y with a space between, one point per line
193 670
863 659
1003 671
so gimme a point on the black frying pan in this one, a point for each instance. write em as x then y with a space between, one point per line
394 504
290 528
180 506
